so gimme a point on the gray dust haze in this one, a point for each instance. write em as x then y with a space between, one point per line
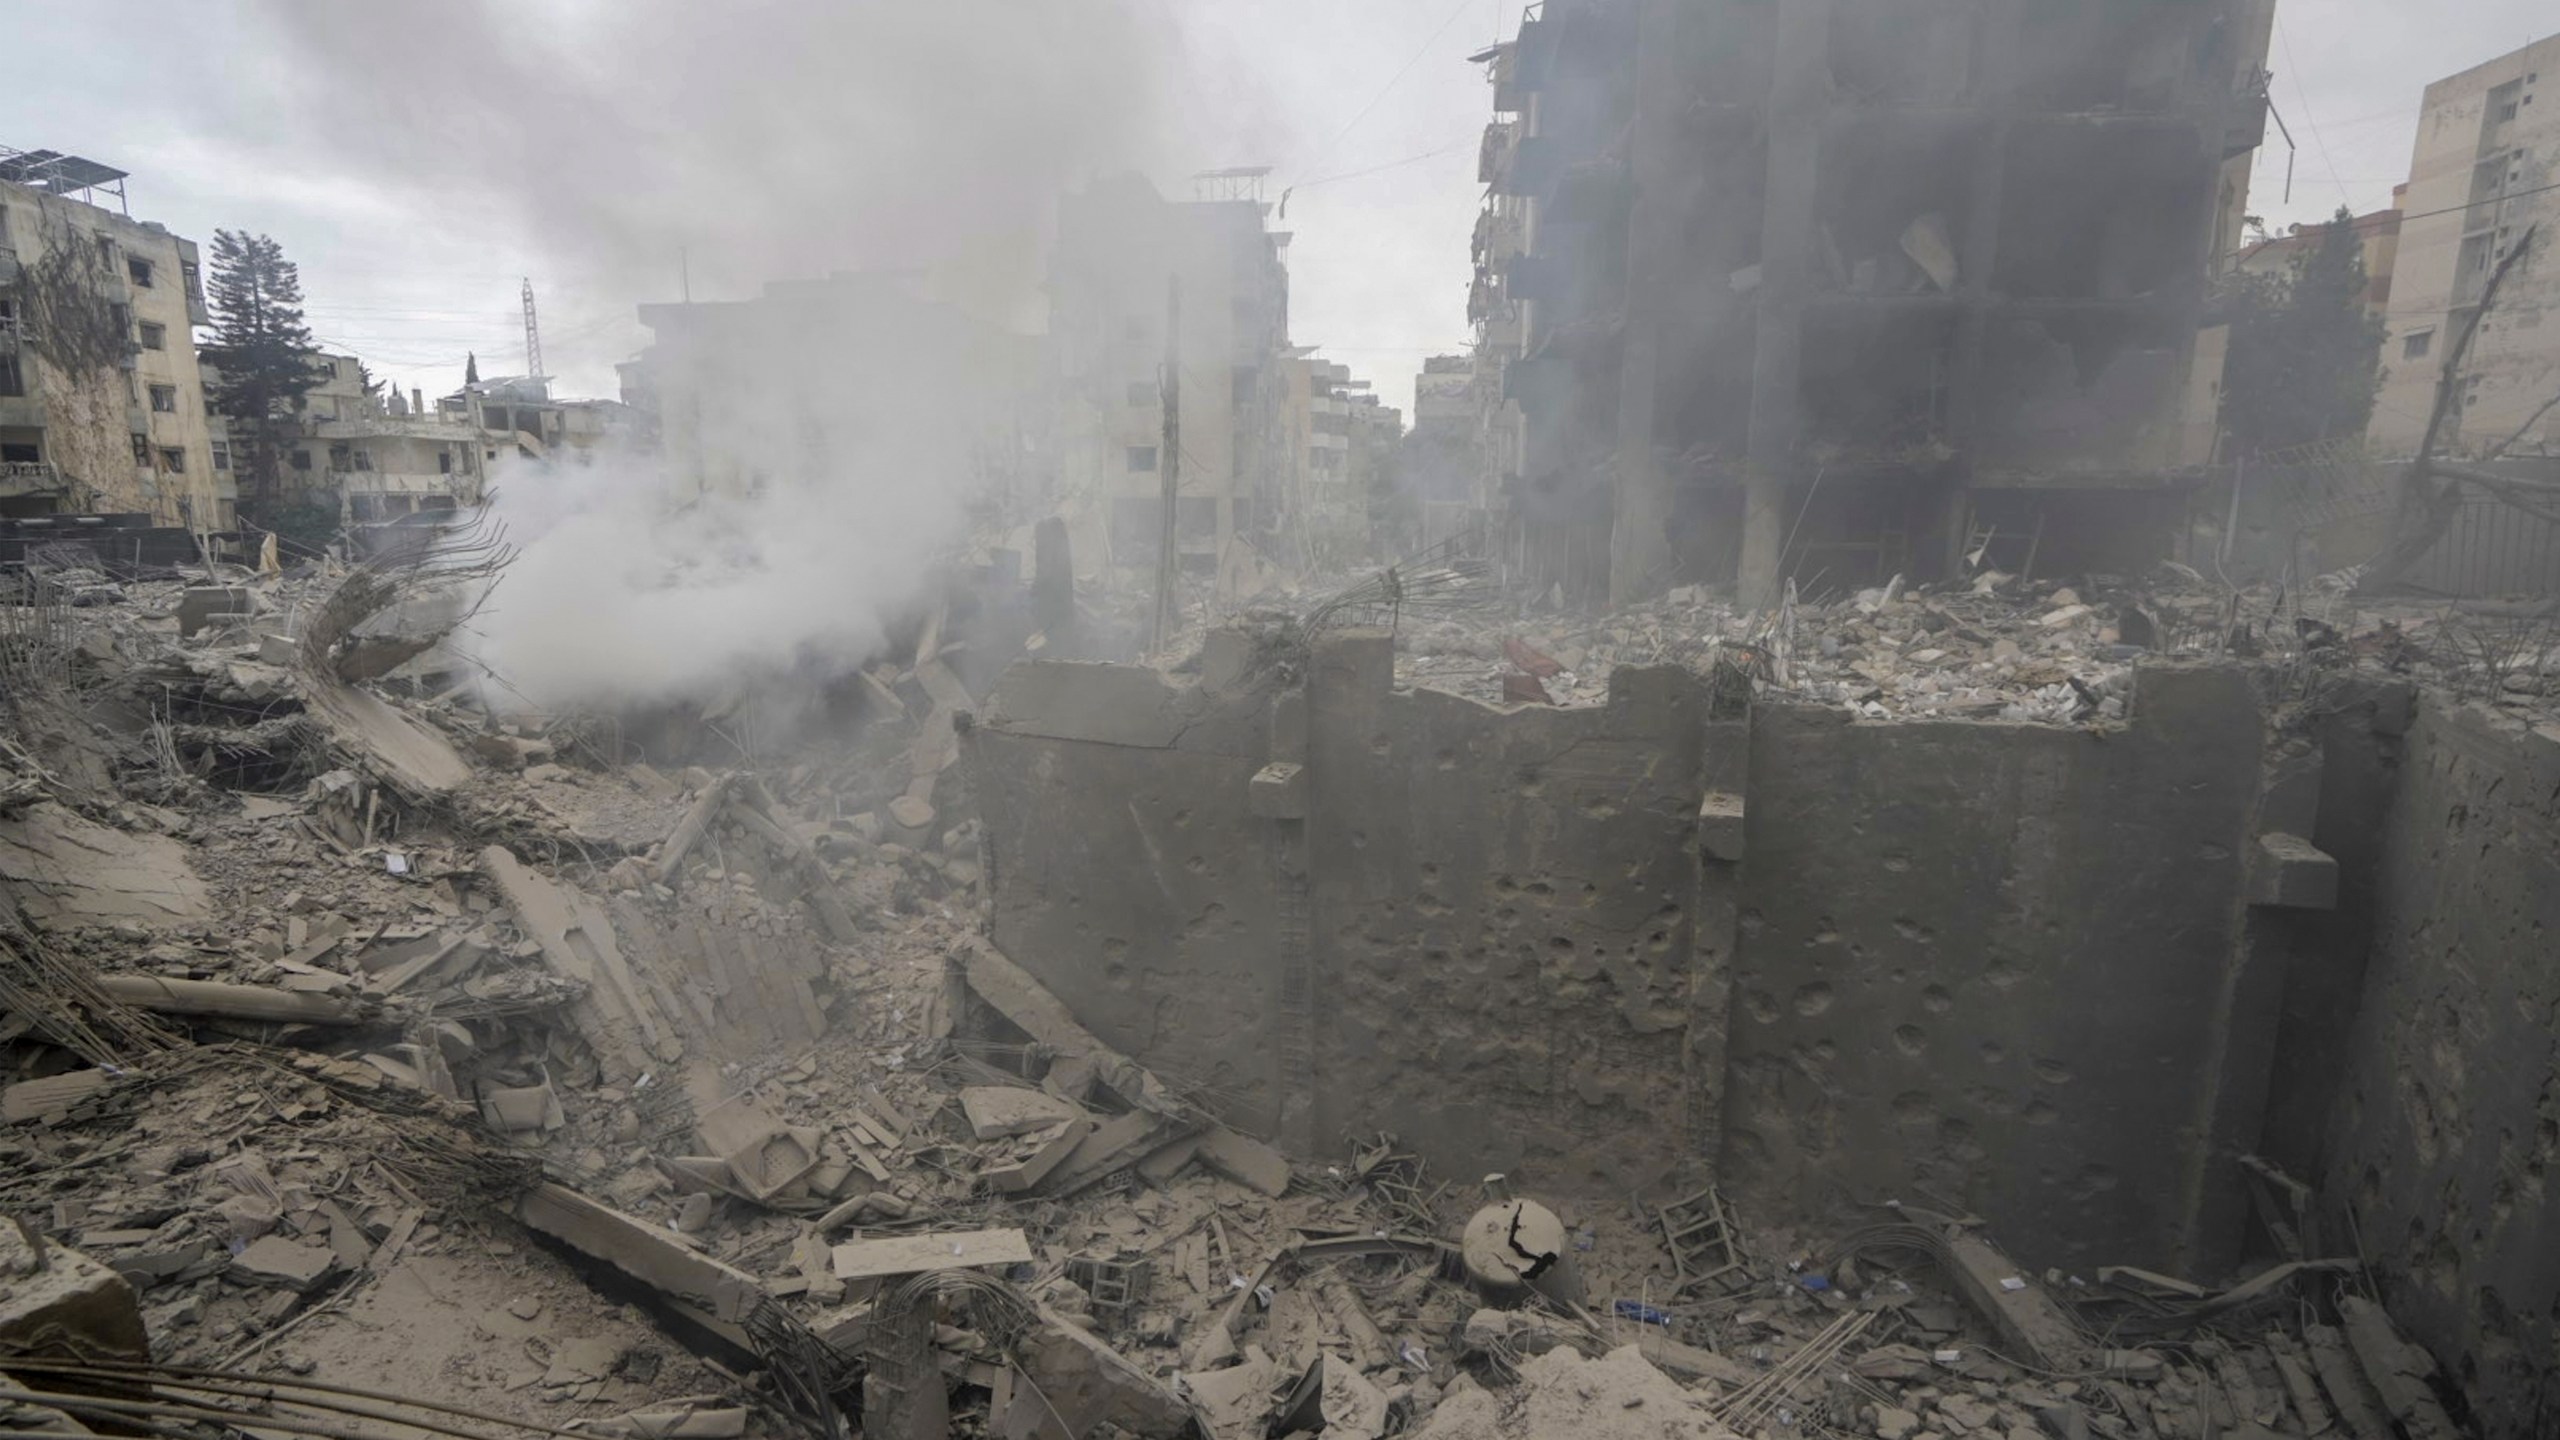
779 142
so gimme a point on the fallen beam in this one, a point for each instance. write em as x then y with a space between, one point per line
236 1002
689 830
717 1296
1026 1002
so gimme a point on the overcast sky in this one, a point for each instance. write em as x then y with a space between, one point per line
419 160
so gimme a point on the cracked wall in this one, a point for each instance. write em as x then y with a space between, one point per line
2443 1139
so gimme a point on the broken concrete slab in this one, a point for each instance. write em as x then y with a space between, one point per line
1115 1144
618 1018
2034 1326
54 1297
1041 1015
1087 1388
52 1097
66 872
997 1111
942 1250
1074 700
1245 1160
707 1291
1029 1171
284 1264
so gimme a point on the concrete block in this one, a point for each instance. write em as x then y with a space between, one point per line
287 1264
277 650
1720 825
1015 1178
1278 791
937 1250
73 1301
200 603
2290 873
996 1111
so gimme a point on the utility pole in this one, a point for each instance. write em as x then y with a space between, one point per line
1169 461
532 335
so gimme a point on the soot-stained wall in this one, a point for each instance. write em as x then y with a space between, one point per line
1503 903
1981 966
1126 872
2445 1134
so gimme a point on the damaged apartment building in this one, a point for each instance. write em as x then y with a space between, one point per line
1921 278
101 403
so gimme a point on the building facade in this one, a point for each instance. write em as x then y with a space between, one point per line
1344 504
102 405
2485 170
1123 252
1876 274
818 382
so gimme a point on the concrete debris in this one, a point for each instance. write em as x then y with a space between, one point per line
1614 1397
872 1260
997 1111
66 871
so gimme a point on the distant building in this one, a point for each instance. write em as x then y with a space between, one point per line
1443 469
1120 247
2377 232
1342 503
101 401
2486 167
1828 292
817 381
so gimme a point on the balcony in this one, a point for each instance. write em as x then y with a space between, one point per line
29 477
8 267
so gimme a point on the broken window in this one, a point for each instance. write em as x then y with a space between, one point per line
2416 346
301 460
138 270
106 251
221 455
444 462
141 448
164 399
13 452
122 318
154 337
341 459
173 460
1142 459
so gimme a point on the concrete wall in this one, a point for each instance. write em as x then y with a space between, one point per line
1127 872
1980 968
1504 905
2446 1131
2012 969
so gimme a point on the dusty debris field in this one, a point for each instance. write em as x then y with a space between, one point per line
358 1037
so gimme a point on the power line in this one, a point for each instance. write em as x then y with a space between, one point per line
1393 81
2307 118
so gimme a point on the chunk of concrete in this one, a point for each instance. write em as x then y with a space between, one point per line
1015 1178
996 1111
198 606
67 872
1245 1160
2290 873
52 1097
1278 791
940 1250
73 1302
1088 1388
284 1264
1720 825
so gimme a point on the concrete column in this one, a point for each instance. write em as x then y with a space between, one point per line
1799 91
1978 251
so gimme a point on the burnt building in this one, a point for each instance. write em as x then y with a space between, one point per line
1835 289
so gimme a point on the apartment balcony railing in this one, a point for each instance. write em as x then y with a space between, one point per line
20 477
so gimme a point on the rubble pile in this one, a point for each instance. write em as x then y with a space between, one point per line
1994 648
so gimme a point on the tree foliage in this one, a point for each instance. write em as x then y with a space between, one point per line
262 350
2305 361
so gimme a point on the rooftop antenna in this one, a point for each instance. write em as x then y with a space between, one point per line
532 335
